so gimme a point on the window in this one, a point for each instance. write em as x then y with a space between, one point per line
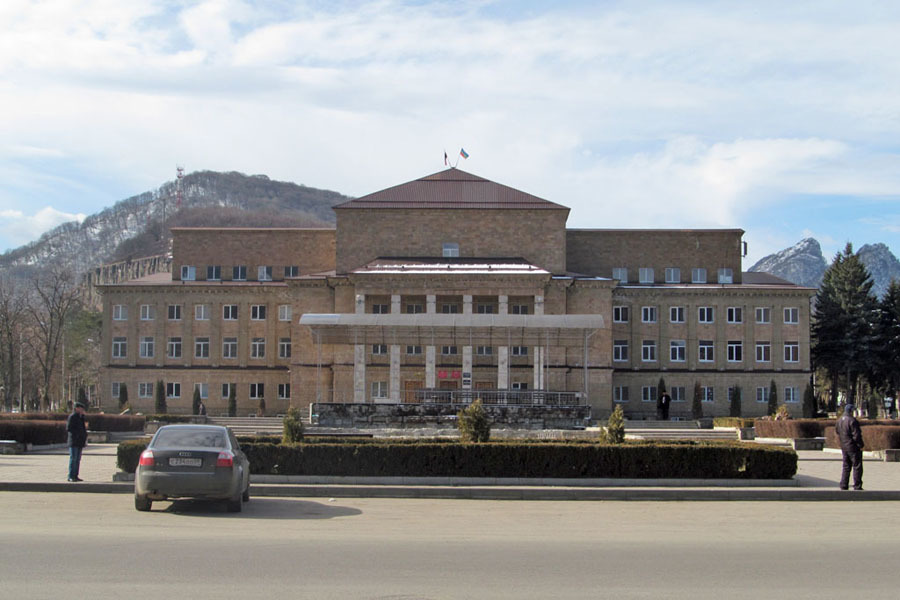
448 309
119 347
284 391
677 393
258 347
791 352
484 350
677 350
763 314
239 273
379 389
173 390
213 273
379 349
284 312
380 309
519 350
145 390
120 312
257 390
620 350
735 351
620 393
203 388
698 275
229 347
519 309
706 314
414 309
201 312
188 273
258 312
292 271
173 347
762 394
791 316
201 347
484 309
284 347
790 394
230 312
648 350
450 250
620 314
264 273
448 350
648 393
416 350
763 352
707 393
735 314
226 390
648 314
519 385
115 388
645 275
673 275
620 273
174 312
676 314
725 275
147 347
706 351
148 312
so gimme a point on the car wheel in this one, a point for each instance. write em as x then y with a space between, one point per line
246 496
235 504
142 503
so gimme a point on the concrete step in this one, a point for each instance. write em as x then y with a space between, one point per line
654 424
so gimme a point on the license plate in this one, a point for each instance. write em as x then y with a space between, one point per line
185 462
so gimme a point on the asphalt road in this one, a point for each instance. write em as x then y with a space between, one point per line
97 546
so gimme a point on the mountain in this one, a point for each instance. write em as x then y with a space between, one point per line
139 226
802 263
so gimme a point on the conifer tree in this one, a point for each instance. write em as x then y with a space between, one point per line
161 408
123 396
884 372
734 409
232 400
809 402
697 403
773 399
195 403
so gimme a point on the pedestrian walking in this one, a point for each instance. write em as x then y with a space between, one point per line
850 435
77 440
201 410
664 402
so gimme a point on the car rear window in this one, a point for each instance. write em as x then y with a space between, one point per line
189 438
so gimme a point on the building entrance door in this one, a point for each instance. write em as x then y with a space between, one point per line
410 386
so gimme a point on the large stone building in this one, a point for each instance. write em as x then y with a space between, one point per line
452 287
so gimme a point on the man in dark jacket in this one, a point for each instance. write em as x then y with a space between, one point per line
664 402
77 440
848 431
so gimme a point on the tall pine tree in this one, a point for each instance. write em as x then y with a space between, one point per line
884 372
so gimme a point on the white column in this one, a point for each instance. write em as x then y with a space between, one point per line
394 385
538 367
467 304
503 368
503 304
467 368
538 305
359 373
429 367
431 304
395 304
360 304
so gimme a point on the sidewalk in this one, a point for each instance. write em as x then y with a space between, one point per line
816 479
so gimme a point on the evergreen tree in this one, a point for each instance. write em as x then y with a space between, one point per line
615 427
195 403
473 423
734 410
809 402
661 387
82 395
773 398
232 400
123 396
161 408
697 403
292 423
884 372
261 409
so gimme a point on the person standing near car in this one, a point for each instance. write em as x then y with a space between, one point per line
77 440
850 435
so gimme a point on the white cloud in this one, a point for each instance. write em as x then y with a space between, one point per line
20 228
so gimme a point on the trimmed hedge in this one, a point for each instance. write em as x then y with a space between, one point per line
168 418
688 460
875 437
35 416
739 422
95 421
39 432
792 428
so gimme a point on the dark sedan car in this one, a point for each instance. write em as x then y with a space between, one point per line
192 461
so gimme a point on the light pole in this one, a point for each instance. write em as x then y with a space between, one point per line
21 362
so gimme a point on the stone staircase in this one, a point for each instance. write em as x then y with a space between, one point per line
674 430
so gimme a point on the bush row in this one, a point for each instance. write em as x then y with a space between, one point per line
33 432
732 422
691 460
809 428
95 421
167 418
875 437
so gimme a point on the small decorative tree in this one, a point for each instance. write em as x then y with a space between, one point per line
473 423
261 409
161 408
293 426
873 404
809 403
697 403
734 410
195 403
123 396
773 398
82 395
232 400
615 427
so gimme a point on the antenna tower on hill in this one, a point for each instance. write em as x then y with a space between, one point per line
179 193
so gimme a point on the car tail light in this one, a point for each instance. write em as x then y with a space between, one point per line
146 458
226 459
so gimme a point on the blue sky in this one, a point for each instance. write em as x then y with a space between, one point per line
778 118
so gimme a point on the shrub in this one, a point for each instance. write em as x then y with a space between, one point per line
161 407
696 403
195 402
875 437
293 426
615 427
473 423
41 432
734 409
232 401
261 409
809 403
104 422
792 428
738 422
773 398
782 413
123 396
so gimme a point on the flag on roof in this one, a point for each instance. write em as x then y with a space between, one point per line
463 153
445 158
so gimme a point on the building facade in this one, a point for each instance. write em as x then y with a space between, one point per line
448 288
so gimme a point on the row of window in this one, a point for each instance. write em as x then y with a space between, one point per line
173 390
705 351
447 308
147 348
238 272
707 394
673 275
202 312
706 314
382 349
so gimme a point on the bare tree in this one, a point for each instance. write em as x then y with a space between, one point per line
12 310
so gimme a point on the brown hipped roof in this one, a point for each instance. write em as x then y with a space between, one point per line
451 188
